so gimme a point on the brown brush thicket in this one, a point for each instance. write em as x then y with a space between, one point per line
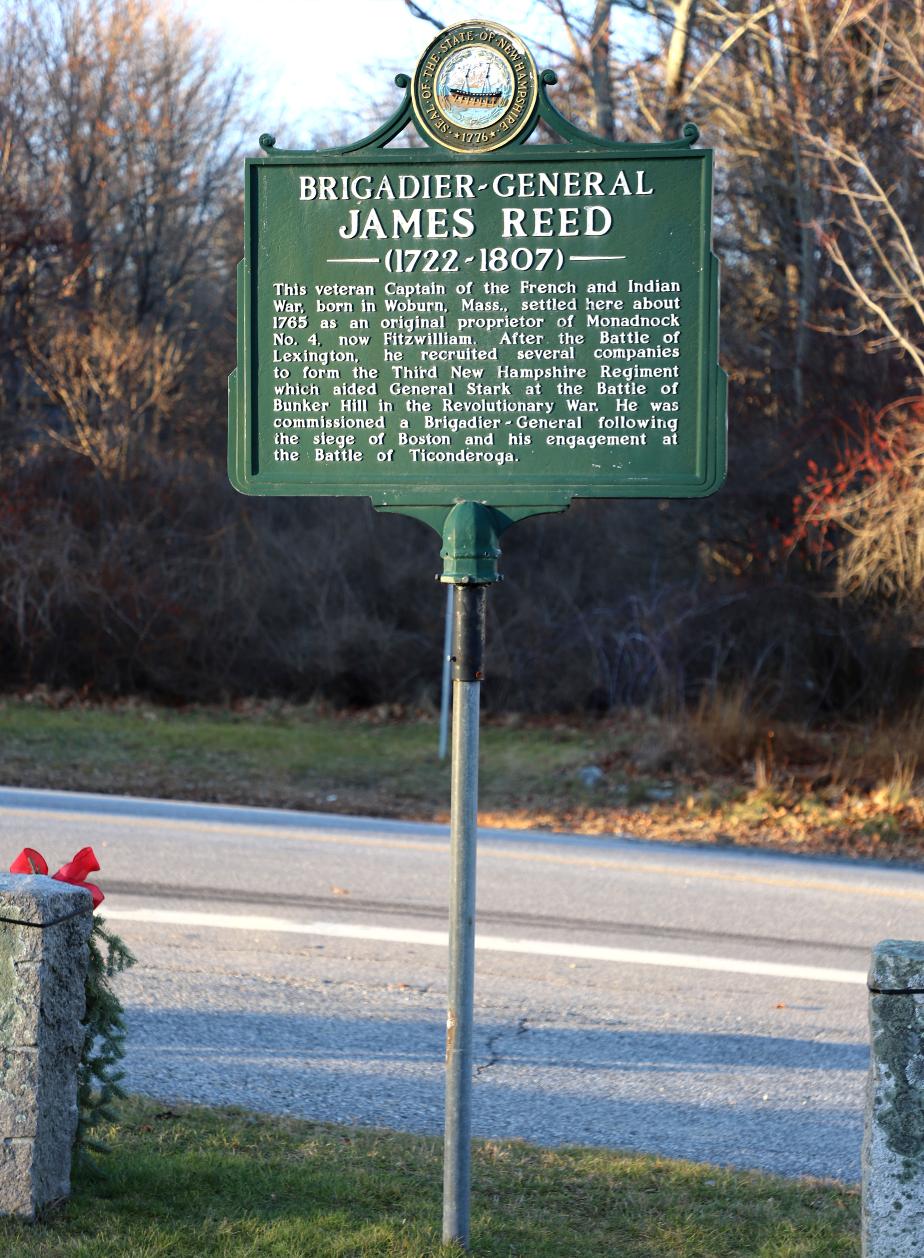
128 564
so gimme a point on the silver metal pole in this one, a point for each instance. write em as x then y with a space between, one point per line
468 645
446 693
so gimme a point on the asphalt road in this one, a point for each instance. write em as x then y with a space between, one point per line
696 1002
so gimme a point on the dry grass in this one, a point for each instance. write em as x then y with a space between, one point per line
721 773
724 727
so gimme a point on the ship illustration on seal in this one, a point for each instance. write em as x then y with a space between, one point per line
472 94
474 87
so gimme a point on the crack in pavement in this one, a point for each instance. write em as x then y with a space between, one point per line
494 1055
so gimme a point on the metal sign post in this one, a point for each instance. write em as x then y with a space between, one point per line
470 554
467 667
472 333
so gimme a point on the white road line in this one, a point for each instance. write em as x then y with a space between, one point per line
485 943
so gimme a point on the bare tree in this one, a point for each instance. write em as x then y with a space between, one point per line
139 128
872 230
121 158
107 390
587 56
683 14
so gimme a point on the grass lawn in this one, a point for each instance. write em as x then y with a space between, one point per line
190 1183
287 757
718 775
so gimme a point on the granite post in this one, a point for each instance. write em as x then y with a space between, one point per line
44 928
893 1139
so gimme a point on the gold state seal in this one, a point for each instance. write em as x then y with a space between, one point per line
475 87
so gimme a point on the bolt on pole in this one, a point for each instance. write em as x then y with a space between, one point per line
467 671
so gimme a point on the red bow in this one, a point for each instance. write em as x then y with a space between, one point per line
29 861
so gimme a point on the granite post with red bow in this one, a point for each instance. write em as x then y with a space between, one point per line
45 923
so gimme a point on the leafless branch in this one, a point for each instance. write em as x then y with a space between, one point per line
415 10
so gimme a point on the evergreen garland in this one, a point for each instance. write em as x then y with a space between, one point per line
98 1074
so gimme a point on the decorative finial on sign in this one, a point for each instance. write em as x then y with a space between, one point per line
267 141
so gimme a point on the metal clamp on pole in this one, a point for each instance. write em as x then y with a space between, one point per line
470 548
470 553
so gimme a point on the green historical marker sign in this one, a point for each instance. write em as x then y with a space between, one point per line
472 333
514 326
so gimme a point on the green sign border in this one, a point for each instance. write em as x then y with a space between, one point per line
508 500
